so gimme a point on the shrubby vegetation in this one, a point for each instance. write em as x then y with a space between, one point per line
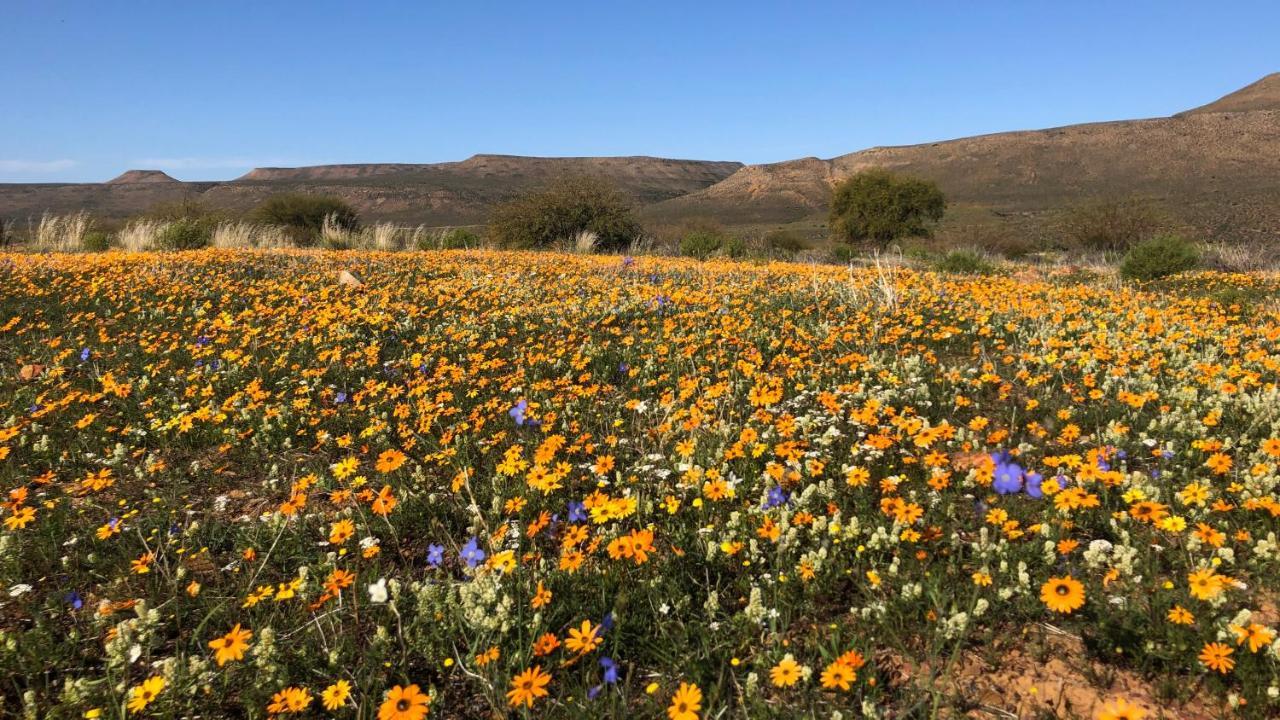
1159 257
306 215
877 207
1112 225
563 210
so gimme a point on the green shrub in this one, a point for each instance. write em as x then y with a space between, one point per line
785 243
305 214
96 241
843 254
733 246
561 211
185 234
1159 257
967 262
701 243
878 206
459 239
1112 225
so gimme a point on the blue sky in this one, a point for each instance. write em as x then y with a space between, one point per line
208 90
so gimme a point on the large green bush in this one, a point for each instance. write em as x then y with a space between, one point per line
1159 257
305 214
878 206
559 212
185 234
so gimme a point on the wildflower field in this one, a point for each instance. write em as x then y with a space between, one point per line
483 484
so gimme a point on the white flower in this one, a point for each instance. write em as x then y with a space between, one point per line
378 591
19 589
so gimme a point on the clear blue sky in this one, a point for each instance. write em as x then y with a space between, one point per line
207 90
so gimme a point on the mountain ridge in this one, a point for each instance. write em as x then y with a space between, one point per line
1216 167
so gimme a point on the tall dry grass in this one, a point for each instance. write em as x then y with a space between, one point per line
61 233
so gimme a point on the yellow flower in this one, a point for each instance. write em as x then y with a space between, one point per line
686 703
336 695
1062 594
140 696
786 673
232 645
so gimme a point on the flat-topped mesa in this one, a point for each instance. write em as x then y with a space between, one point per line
133 177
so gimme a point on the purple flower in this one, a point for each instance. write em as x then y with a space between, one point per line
517 412
341 397
1007 478
777 496
471 553
610 670
84 354
577 512
1034 488
74 600
435 555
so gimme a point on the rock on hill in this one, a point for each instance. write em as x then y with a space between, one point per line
1217 168
141 176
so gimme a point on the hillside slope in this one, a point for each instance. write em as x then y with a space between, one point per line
1215 168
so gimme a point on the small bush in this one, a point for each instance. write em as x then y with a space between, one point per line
785 243
733 246
1112 225
1159 257
306 215
701 243
966 262
451 239
843 254
185 234
95 241
562 211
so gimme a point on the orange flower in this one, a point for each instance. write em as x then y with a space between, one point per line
404 703
385 502
390 461
528 686
1217 656
232 645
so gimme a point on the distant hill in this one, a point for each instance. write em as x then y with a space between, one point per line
141 176
1215 168
451 193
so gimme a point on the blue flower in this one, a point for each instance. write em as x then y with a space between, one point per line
777 496
517 412
341 397
74 600
1007 478
84 354
435 555
471 553
577 512
1034 488
610 670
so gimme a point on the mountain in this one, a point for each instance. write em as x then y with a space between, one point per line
450 193
129 177
1215 168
